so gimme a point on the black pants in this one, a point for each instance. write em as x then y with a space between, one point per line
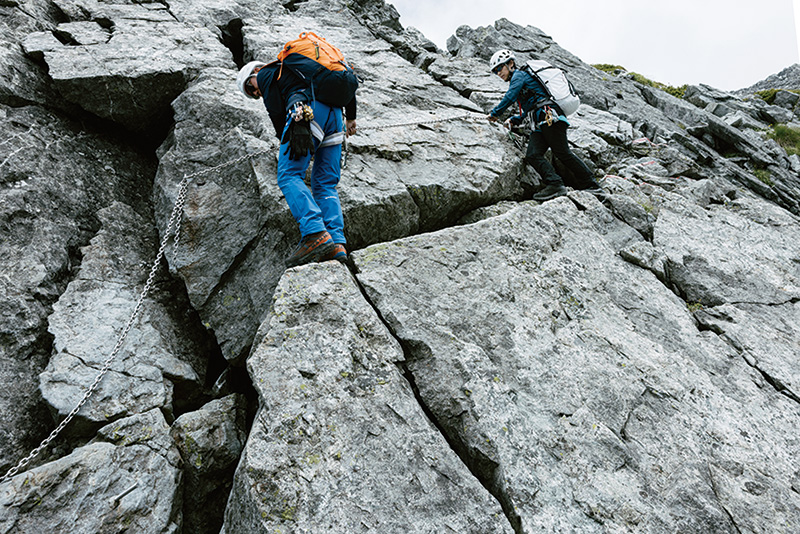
555 138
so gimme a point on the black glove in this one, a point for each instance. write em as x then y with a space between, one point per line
301 142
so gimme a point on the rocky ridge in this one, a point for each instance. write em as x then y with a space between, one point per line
490 364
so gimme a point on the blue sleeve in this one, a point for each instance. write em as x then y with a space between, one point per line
511 96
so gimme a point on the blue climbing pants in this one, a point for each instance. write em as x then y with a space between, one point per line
319 208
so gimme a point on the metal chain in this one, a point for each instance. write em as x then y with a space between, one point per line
420 123
175 219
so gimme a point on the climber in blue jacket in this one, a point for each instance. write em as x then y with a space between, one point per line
549 128
306 127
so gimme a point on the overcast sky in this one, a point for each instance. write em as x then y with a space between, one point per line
728 44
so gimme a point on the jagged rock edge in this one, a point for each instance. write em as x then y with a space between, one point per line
461 451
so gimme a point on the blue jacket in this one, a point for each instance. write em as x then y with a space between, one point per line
530 95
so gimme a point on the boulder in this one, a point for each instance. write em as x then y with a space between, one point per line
125 62
159 353
722 269
786 99
210 441
578 386
340 443
129 478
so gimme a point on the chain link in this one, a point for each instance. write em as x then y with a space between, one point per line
174 220
467 116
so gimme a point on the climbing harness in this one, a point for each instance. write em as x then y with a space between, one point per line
175 221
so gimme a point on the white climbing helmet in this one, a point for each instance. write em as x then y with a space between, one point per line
245 73
500 57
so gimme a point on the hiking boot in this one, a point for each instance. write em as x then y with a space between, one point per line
312 247
550 191
338 253
597 191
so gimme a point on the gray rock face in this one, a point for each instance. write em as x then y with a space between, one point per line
788 78
53 178
125 61
578 386
210 441
488 364
157 353
340 443
128 479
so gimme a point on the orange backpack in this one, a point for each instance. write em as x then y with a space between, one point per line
315 47
322 67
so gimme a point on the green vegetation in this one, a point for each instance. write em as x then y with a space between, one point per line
768 95
607 67
787 137
674 91
764 176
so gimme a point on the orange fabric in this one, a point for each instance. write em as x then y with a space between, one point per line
315 47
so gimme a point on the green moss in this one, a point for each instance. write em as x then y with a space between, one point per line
787 137
674 91
768 95
647 207
764 176
607 67
694 306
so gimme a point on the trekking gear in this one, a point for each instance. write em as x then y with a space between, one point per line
550 191
338 253
597 191
322 67
500 58
299 135
517 137
555 82
313 247
301 141
244 74
302 112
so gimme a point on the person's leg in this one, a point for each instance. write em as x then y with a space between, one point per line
556 137
326 173
315 242
553 185
299 198
534 156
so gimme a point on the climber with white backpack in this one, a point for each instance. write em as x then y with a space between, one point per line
304 92
547 100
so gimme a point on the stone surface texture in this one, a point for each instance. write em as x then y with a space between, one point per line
484 363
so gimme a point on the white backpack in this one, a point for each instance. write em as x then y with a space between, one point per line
555 82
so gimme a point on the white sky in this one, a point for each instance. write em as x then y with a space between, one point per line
728 44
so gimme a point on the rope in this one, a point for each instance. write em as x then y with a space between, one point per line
174 220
